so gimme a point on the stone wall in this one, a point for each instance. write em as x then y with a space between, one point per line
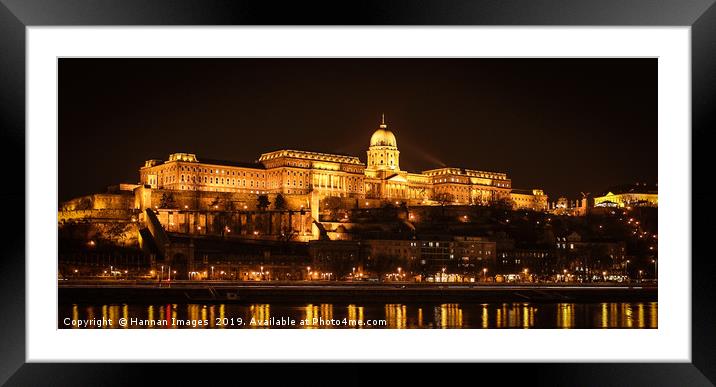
97 215
203 200
100 201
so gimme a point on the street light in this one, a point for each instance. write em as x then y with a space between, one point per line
484 274
656 272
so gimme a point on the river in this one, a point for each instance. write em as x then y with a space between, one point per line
359 316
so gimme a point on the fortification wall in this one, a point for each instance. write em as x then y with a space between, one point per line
127 215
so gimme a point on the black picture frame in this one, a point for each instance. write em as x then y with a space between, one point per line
16 15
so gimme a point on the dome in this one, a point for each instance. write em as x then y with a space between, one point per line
383 137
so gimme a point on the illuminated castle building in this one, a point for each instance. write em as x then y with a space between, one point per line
295 172
638 195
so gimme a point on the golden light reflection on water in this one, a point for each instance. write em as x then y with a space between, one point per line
114 315
192 311
397 316
613 323
312 314
565 316
75 314
627 313
485 317
604 315
355 313
125 314
527 316
259 314
640 315
448 316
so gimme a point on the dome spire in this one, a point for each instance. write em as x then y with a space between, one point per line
382 121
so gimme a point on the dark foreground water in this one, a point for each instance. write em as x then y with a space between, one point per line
354 316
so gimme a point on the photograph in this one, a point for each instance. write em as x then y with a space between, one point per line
357 193
231 188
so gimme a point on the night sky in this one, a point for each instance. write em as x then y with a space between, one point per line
564 125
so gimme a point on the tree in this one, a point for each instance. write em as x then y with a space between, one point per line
220 223
405 209
215 203
279 203
262 202
287 234
382 264
444 199
85 204
503 204
115 233
333 204
167 200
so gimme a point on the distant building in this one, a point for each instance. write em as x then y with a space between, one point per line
462 256
589 258
564 206
637 195
534 200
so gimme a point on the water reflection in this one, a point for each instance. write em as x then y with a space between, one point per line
565 316
319 316
394 316
448 316
259 316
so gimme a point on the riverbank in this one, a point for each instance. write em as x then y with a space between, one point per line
291 292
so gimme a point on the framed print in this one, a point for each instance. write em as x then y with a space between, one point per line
466 182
